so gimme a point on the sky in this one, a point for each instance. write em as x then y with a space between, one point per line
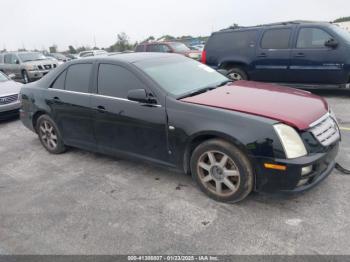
38 24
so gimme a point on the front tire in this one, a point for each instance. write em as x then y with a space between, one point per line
25 77
222 171
49 135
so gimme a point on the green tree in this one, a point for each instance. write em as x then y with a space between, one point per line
342 19
122 43
72 50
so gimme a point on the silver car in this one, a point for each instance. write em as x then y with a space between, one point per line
9 97
26 66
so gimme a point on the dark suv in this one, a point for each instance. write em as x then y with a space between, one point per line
299 53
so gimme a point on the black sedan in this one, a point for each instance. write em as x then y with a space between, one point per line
165 108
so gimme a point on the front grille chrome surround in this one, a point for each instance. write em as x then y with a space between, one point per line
8 99
325 130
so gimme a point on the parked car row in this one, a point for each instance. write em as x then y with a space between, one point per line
298 53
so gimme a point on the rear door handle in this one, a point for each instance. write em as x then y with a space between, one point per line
56 98
262 55
101 109
299 55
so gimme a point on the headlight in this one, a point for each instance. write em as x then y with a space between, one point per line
32 68
291 141
331 113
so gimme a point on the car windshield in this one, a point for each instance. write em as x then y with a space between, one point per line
25 57
179 47
180 76
3 78
342 33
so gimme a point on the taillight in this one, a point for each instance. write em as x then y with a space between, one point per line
204 57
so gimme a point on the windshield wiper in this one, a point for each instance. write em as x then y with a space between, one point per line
205 89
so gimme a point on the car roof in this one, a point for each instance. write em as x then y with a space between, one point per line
265 26
128 57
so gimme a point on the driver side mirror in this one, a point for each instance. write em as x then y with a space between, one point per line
17 61
332 43
140 95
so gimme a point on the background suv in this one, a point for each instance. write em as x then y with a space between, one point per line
305 53
26 66
169 47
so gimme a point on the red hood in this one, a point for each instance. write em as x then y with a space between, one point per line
294 107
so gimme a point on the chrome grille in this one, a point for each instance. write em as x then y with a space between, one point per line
325 130
8 99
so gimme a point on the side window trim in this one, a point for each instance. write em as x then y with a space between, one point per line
310 48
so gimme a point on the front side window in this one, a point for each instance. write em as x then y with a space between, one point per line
179 75
312 38
78 78
276 38
116 81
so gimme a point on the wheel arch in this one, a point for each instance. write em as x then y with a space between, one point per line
201 137
36 117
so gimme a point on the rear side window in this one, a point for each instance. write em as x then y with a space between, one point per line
116 81
276 39
78 78
312 38
231 40
8 59
59 82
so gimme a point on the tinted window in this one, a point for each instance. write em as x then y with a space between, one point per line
7 59
232 40
116 81
164 48
78 78
59 83
153 48
312 38
276 39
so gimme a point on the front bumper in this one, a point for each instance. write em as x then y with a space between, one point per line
288 181
9 110
37 74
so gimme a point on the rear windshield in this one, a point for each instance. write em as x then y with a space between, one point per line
179 47
225 41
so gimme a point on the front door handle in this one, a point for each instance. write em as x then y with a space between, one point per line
101 109
56 98
262 55
300 55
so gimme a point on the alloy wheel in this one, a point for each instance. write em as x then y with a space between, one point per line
235 76
48 135
218 173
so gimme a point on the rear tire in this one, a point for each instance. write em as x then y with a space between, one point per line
49 135
237 74
222 171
